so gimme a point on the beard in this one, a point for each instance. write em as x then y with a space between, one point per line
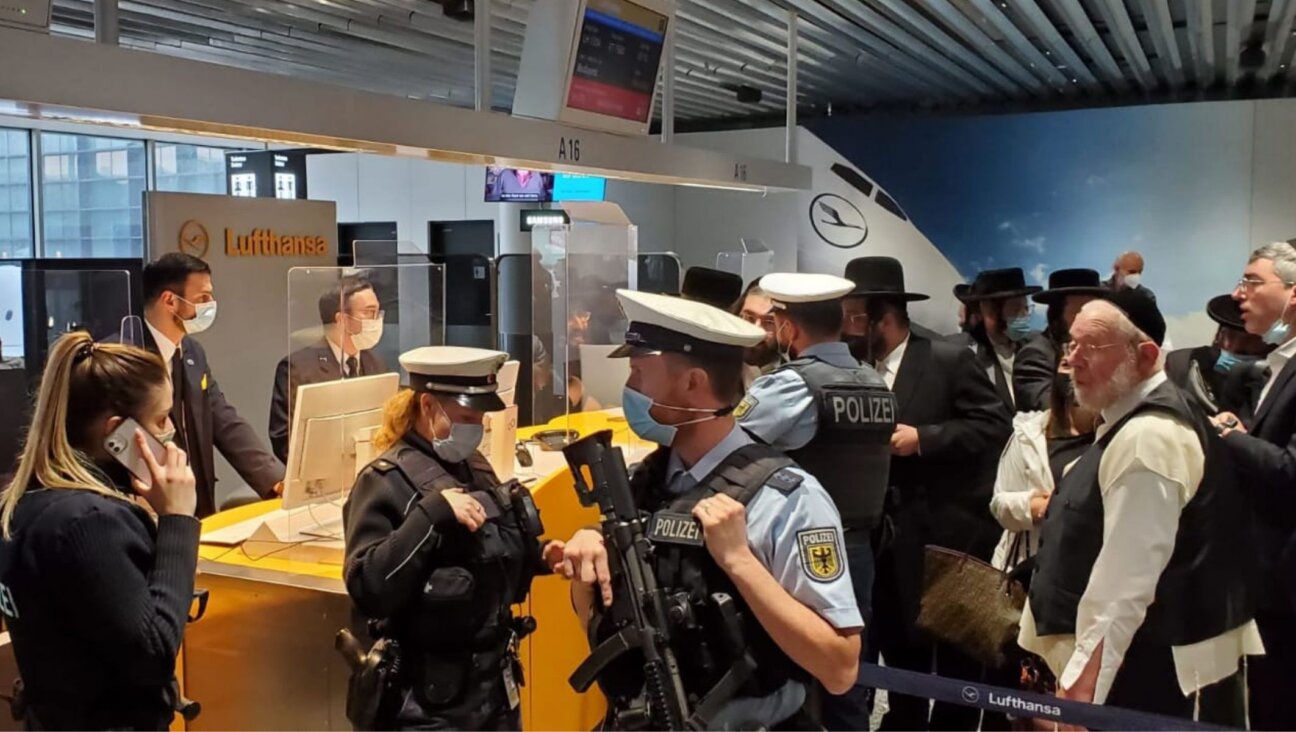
865 348
761 354
1100 396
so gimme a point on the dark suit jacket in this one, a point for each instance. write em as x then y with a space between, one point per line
311 365
1033 371
216 424
986 358
1227 393
1266 461
942 496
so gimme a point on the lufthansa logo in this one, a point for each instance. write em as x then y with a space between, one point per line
971 695
194 239
837 221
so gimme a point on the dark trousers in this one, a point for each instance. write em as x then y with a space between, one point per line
1147 682
1271 678
851 711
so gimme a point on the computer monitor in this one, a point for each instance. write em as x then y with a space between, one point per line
329 420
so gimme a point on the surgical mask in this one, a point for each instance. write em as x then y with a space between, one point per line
1132 280
1068 389
784 354
204 316
167 437
1228 360
637 407
1280 330
371 331
462 442
1019 328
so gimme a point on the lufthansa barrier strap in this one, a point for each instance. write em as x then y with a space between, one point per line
1019 703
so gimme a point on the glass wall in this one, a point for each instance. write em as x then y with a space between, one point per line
92 195
188 168
15 195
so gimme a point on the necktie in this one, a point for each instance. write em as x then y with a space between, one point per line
177 399
352 367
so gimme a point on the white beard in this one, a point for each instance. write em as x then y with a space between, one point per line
1101 396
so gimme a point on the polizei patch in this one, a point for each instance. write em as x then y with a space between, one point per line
675 528
820 553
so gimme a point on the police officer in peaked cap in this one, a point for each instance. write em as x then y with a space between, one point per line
438 550
772 539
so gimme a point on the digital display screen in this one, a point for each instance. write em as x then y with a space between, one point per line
570 187
617 59
514 185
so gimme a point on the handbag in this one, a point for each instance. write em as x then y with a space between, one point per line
970 604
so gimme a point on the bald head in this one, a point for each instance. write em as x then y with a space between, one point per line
1127 270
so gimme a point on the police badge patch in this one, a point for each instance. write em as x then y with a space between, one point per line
746 405
820 554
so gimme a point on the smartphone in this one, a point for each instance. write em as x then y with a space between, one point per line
122 446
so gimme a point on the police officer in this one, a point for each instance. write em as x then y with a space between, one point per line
773 539
834 417
437 550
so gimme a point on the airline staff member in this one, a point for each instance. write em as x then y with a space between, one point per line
179 303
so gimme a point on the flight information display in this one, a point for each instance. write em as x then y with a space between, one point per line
617 60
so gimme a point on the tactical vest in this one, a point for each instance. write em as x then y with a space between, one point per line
1205 590
714 627
473 577
850 454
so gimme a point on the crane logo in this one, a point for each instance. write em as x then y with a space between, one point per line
194 239
837 221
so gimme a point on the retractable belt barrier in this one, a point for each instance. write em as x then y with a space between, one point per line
1019 703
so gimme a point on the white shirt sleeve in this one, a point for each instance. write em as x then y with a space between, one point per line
1148 474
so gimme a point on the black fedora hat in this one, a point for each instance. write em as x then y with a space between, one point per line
993 284
961 291
1223 309
711 286
1064 282
879 277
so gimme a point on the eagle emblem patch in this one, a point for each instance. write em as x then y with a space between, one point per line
747 404
821 557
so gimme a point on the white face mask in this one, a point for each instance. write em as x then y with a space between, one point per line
1132 280
371 331
204 316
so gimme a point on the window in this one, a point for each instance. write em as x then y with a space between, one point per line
92 191
189 168
15 195
889 204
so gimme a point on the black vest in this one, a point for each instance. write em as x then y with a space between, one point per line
473 577
707 646
1205 590
851 450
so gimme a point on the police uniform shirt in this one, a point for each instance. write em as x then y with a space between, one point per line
779 408
776 524
1148 473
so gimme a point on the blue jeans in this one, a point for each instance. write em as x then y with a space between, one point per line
851 710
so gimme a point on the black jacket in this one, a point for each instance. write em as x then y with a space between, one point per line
216 424
1266 462
940 496
989 363
96 601
314 364
1033 371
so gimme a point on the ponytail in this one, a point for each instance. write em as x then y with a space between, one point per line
400 413
83 382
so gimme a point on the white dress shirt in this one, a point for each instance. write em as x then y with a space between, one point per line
1148 473
889 365
340 358
1006 356
1276 361
166 347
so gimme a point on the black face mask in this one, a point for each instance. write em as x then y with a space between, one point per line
761 354
1068 388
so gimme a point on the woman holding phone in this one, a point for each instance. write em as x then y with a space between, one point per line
95 591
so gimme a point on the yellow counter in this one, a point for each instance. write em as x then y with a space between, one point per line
263 656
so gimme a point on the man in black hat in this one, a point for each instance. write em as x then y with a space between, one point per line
1037 361
948 418
1217 375
714 287
1000 297
1143 594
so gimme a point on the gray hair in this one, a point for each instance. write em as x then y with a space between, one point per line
1283 256
1128 333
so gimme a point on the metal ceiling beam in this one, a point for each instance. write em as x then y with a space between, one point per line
1156 16
1057 45
1276 44
1238 17
1083 29
935 36
975 37
1039 64
1122 28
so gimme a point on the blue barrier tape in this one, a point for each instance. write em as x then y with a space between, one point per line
1019 703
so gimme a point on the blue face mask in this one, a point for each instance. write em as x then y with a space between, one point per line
1278 332
637 407
1019 329
1228 360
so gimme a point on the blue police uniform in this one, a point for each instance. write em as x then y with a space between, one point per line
782 411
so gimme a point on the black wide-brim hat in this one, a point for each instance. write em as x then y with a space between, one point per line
712 286
961 291
995 284
1223 309
879 277
1066 282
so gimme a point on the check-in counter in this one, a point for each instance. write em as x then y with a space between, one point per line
263 657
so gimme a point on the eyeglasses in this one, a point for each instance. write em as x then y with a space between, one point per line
1087 350
367 315
1249 284
764 321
